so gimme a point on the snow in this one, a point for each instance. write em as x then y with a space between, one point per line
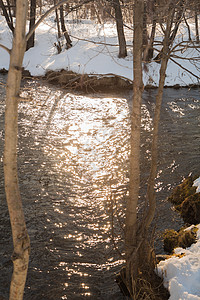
182 274
197 184
94 58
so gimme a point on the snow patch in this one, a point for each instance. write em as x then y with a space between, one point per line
182 274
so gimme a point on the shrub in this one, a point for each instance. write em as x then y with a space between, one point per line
190 209
183 238
186 201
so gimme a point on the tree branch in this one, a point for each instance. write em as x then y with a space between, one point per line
185 68
5 48
97 43
52 9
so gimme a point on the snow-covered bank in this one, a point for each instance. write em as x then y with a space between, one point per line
95 57
181 273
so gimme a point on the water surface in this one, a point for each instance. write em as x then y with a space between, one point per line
73 172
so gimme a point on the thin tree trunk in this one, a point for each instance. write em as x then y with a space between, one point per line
120 29
131 211
64 30
148 52
181 6
14 8
145 34
21 241
196 24
58 44
9 10
8 20
57 21
188 27
31 41
151 200
40 5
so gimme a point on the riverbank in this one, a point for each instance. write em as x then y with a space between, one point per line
109 83
94 56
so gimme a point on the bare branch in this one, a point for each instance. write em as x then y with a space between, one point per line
52 9
5 48
97 43
194 58
185 68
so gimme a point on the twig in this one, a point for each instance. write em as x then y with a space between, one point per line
195 58
98 43
5 48
185 68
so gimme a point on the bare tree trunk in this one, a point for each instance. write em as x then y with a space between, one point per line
57 22
120 29
154 149
58 44
131 242
64 30
138 251
31 41
14 8
196 24
181 6
21 241
148 52
40 5
9 10
188 28
8 20
145 34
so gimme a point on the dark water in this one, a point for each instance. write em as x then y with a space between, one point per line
73 171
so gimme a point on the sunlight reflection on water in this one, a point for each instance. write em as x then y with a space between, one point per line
86 141
73 159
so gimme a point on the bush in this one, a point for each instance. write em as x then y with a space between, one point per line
182 191
190 209
183 238
170 240
186 201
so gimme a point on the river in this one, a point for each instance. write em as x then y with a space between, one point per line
73 174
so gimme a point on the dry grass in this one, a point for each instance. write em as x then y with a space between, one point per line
148 286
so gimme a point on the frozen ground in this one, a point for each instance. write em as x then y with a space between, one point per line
98 56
